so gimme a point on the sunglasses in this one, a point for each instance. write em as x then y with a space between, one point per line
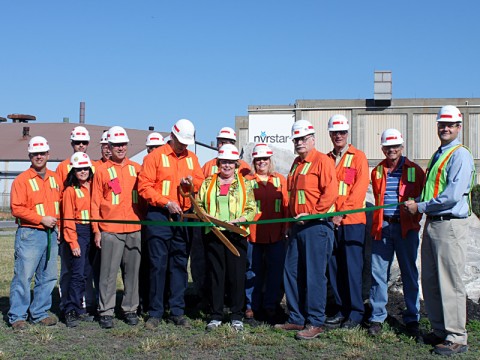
80 142
82 169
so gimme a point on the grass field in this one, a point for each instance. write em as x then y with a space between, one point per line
88 341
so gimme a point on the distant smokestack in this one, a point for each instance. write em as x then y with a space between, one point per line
82 112
151 128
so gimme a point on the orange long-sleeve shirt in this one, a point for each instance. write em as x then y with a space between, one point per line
32 198
162 170
353 179
76 203
272 203
210 168
126 205
312 184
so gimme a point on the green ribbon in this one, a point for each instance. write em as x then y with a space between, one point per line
258 222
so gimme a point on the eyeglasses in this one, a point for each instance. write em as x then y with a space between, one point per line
80 142
303 139
82 169
117 145
43 153
262 159
442 125
224 161
225 141
342 132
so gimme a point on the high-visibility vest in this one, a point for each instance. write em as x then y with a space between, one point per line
342 185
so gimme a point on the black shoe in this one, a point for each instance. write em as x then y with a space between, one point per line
432 339
131 318
86 317
106 322
350 324
152 323
334 321
71 319
375 328
179 320
413 330
449 348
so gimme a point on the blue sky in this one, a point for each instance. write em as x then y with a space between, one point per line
141 63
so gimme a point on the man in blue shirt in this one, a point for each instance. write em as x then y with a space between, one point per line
446 202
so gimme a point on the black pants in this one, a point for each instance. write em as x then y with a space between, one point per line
226 272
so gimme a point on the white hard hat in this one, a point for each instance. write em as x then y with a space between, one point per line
391 137
80 160
155 139
38 144
261 150
302 128
117 135
449 113
338 122
104 139
228 152
79 133
227 133
184 131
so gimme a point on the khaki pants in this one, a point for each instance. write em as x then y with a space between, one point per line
443 263
119 250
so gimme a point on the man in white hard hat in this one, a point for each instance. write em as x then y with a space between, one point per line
346 264
34 200
313 189
115 197
164 172
446 202
104 149
395 232
154 140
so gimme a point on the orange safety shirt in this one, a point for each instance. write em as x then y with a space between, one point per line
410 187
312 185
76 202
272 203
210 168
353 179
162 170
32 198
116 199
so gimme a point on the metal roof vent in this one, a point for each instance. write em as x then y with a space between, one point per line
383 86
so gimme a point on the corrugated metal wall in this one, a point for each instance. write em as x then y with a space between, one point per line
425 140
370 128
473 138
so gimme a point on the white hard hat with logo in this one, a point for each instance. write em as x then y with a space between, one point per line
261 151
104 139
38 144
391 137
79 133
184 131
449 113
80 160
302 128
228 152
117 135
227 133
338 122
155 139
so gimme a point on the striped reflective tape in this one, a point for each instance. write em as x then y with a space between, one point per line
34 185
57 207
348 160
165 161
53 182
379 171
305 168
332 209
79 193
254 184
411 174
115 199
293 169
189 163
342 188
214 169
278 205
85 216
258 206
40 209
166 187
69 167
134 196
132 170
302 200
112 172
276 182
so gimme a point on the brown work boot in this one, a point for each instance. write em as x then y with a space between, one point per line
310 332
449 348
48 321
289 327
19 325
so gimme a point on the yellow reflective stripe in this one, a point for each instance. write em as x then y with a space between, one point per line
33 184
214 169
301 197
276 182
112 172
411 174
342 188
258 206
40 209
379 171
293 169
305 168
254 184
115 199
166 187
79 193
134 196
53 182
189 163
332 209
132 170
57 207
85 216
278 205
165 161
348 160
93 169
69 167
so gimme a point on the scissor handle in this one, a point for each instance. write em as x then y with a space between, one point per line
187 193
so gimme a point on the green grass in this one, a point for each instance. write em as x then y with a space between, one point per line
88 341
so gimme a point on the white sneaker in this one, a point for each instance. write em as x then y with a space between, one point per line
237 325
213 324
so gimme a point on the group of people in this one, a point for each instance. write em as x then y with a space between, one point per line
243 261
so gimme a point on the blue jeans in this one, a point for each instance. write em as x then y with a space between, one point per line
382 258
309 250
31 259
265 268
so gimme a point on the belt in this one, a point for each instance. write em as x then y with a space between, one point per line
443 217
392 219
